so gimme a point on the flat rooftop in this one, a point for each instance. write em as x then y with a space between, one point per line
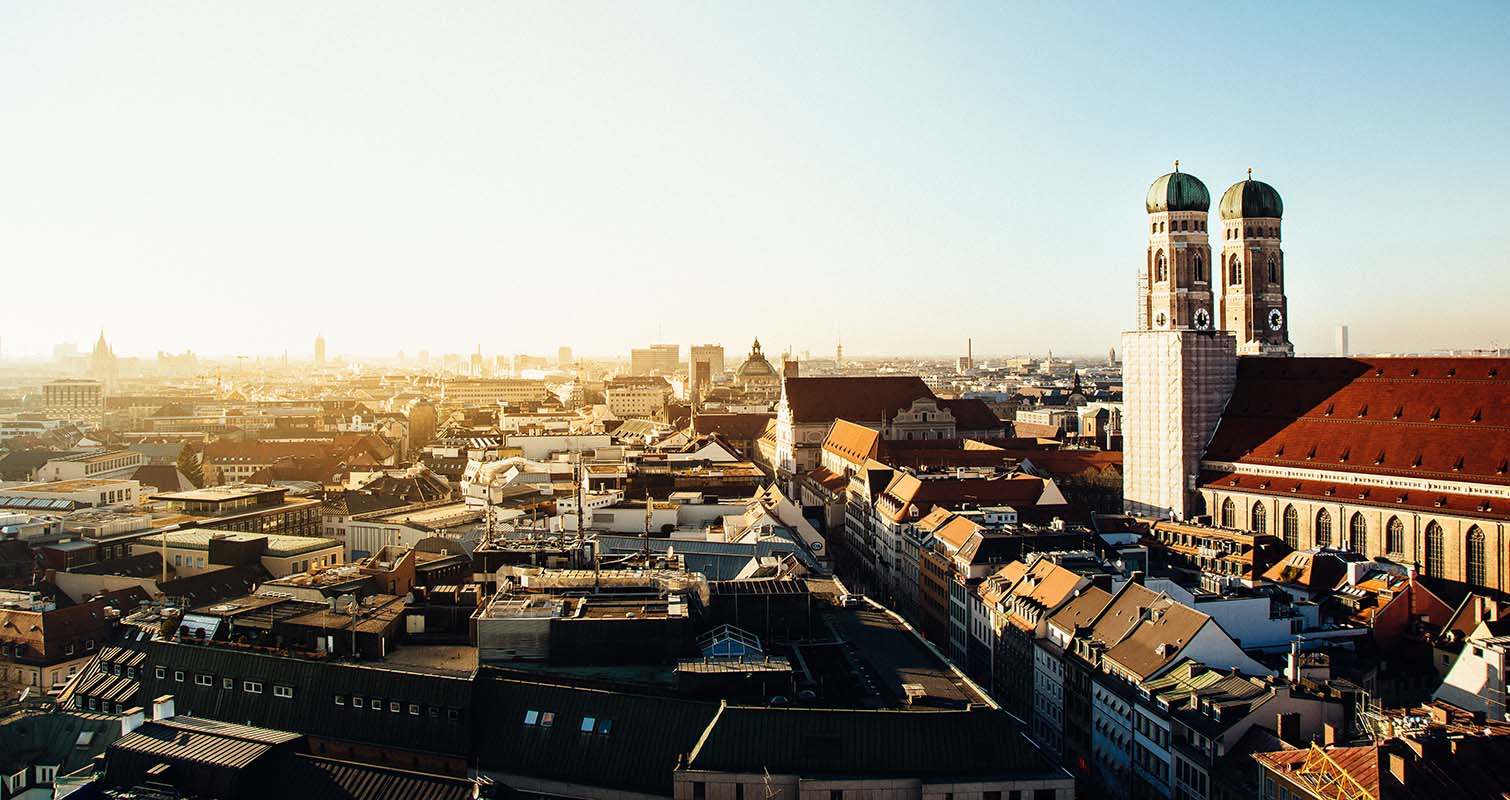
449 515
278 546
81 485
219 494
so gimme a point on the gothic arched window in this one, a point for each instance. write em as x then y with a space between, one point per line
1323 537
1273 270
1160 267
1474 555
1229 514
1236 273
1198 268
1357 534
1394 536
1291 528
1436 556
1260 519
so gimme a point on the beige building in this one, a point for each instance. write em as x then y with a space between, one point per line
77 401
191 552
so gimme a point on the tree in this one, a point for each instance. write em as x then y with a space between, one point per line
189 465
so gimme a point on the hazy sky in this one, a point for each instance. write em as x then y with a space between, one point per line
407 176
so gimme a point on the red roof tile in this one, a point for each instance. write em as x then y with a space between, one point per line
1438 418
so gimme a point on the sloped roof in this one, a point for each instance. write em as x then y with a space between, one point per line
855 443
646 734
1431 418
958 745
1360 763
971 414
1083 609
852 398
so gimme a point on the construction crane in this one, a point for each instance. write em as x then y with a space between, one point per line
1327 778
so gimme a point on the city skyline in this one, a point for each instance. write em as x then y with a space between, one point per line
937 167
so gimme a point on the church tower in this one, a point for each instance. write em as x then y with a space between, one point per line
1253 270
1175 290
1178 368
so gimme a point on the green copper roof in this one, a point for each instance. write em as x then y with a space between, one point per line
1251 198
1178 191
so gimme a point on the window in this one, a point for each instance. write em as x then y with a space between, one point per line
588 723
228 683
395 707
1436 559
1394 536
1235 273
1474 554
1198 268
340 699
204 680
285 692
252 687
414 709
1160 268
532 717
1273 270
178 676
1229 513
452 715
159 672
1292 527
356 701
1323 537
1357 534
1259 522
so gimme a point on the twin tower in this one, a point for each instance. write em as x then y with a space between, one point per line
1241 292
1196 315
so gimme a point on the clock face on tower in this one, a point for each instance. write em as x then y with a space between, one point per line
1202 319
1276 319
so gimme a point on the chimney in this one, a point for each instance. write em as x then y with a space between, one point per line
1292 666
1328 734
1287 726
1136 577
132 719
162 707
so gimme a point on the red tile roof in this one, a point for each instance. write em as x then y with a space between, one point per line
859 398
1437 418
971 414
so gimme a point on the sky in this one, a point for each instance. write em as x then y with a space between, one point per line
236 178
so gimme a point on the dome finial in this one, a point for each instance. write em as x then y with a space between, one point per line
1250 173
1177 165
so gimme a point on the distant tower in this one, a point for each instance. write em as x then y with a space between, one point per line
1342 348
1253 270
1111 356
839 353
1177 370
320 350
102 365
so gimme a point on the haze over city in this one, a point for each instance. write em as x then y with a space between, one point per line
731 401
235 180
